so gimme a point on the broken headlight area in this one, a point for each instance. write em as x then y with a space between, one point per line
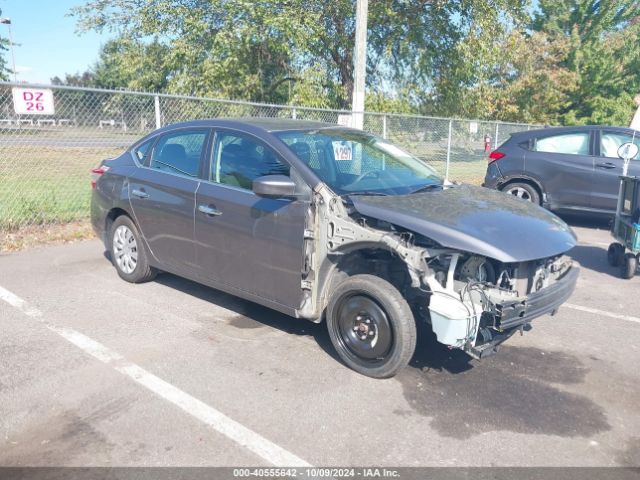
476 303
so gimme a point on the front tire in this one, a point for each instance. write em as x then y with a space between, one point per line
371 326
523 191
629 266
615 254
127 252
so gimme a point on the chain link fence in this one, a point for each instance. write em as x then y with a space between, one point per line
45 160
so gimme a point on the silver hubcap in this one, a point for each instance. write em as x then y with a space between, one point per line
520 193
125 249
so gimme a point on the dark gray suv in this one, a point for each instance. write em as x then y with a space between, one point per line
574 169
322 222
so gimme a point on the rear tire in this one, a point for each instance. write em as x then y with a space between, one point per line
615 254
629 266
371 326
128 253
524 191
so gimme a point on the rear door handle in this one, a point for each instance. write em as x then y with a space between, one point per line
607 165
140 193
207 210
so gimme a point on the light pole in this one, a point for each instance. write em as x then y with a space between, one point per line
7 21
360 67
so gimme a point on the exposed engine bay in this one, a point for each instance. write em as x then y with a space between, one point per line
472 302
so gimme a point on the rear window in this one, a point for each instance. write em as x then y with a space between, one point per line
568 143
179 153
140 152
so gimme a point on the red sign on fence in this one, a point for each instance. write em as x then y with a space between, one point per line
33 101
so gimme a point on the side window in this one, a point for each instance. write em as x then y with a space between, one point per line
610 142
569 143
141 151
179 152
238 160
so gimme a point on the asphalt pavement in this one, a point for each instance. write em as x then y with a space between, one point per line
98 372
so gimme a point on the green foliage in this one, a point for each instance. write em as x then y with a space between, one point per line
133 65
380 102
529 85
272 50
4 50
570 61
604 56
4 69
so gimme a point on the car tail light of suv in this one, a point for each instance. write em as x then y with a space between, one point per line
495 155
96 173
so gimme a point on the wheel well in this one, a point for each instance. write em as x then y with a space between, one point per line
373 261
528 181
111 217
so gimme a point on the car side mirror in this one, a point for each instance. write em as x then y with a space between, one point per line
274 186
627 150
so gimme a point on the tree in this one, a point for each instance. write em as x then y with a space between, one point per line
275 50
133 65
85 79
604 56
528 85
4 69
464 71
4 48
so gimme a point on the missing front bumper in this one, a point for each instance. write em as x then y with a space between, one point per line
511 314
510 317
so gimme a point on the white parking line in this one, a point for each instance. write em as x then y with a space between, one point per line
217 420
628 318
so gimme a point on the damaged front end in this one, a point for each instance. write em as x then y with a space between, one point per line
476 303
472 302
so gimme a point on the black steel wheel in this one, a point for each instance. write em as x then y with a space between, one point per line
629 266
615 254
371 326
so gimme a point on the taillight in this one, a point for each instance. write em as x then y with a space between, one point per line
96 173
495 155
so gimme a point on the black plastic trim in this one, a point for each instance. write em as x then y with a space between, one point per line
547 300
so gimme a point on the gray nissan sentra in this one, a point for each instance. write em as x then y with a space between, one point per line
322 222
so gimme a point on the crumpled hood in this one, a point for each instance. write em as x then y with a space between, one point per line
476 220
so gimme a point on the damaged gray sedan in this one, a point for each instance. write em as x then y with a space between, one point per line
332 224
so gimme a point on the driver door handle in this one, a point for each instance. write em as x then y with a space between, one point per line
139 194
606 165
207 210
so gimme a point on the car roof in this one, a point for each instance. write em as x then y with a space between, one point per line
267 124
559 130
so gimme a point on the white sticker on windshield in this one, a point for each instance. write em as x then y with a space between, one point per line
342 150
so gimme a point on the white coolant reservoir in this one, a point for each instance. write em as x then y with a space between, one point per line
452 321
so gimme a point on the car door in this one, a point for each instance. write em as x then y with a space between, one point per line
162 195
563 162
244 241
608 168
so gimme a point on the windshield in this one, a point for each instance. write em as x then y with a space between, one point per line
352 162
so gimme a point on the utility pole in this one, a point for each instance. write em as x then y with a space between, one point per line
7 21
360 64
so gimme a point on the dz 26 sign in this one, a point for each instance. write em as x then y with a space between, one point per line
33 101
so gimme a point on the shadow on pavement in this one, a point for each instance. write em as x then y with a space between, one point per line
522 389
249 314
593 258
600 222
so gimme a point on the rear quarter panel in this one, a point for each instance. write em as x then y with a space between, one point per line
111 192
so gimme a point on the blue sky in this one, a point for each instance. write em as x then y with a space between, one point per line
46 38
